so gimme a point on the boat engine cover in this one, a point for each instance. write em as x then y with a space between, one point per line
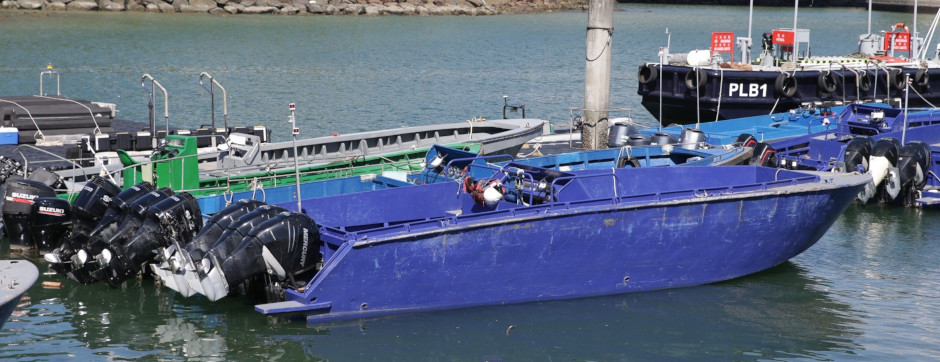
17 206
50 222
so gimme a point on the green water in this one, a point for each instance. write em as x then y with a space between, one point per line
867 290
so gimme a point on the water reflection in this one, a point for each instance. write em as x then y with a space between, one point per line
780 313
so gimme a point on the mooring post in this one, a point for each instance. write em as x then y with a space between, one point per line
600 32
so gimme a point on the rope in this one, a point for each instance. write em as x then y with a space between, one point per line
922 97
721 84
610 35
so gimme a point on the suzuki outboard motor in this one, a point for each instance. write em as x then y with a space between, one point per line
17 207
175 218
883 168
914 160
286 245
50 222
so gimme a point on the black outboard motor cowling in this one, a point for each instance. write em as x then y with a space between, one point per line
175 218
92 203
132 220
236 232
47 177
219 223
117 210
287 244
17 207
50 222
856 154
914 160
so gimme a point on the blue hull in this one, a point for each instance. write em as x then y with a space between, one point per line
661 228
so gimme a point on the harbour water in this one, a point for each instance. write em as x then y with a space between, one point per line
868 289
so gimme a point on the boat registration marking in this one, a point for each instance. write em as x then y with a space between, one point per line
748 90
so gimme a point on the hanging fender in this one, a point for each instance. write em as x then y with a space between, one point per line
785 85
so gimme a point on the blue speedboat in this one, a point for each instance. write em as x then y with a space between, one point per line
551 235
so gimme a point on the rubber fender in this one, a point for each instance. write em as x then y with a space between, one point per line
785 85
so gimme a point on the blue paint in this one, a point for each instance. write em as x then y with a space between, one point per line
608 231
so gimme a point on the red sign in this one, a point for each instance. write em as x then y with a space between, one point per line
902 41
723 42
783 37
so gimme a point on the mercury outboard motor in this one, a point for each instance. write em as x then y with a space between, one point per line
50 222
286 245
914 160
222 247
883 168
174 260
175 218
17 207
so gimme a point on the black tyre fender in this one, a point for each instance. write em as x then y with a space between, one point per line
921 77
826 82
647 74
695 78
785 85
864 82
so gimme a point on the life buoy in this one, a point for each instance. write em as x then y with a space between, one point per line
901 25
826 82
895 78
921 77
695 78
785 85
864 82
647 74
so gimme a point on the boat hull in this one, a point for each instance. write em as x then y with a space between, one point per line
729 94
534 254
16 277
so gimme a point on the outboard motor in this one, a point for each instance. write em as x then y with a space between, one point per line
89 206
222 247
287 245
50 222
134 217
77 265
691 138
47 177
883 168
619 133
661 138
638 140
175 218
17 206
94 258
176 260
745 140
914 160
764 155
9 168
856 154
